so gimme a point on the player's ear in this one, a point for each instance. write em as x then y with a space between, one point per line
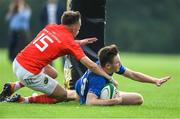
108 65
73 29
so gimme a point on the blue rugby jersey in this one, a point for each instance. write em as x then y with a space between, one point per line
93 83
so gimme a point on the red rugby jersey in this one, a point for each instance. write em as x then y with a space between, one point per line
53 41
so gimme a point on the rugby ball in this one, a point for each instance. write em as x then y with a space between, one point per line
108 92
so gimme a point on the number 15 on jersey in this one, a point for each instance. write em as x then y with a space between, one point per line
43 38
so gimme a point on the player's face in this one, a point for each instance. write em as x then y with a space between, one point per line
116 64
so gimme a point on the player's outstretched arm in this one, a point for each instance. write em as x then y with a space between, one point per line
96 69
138 76
86 41
92 99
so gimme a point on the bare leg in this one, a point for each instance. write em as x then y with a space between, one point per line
45 99
130 98
50 71
59 93
72 95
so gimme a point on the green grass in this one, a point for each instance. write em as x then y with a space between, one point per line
159 102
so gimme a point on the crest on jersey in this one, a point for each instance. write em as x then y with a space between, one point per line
46 80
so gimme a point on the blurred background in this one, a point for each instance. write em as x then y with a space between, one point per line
149 26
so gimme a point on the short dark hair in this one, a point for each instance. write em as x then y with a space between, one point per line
107 54
70 17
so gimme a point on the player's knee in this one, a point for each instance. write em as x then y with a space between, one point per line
50 71
54 75
139 99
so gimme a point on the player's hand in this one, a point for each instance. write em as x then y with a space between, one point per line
117 97
117 94
162 80
88 41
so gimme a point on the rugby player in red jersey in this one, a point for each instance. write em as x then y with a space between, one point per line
32 68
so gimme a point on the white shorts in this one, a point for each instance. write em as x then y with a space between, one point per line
40 82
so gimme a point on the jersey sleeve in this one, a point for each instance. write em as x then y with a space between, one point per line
76 50
96 84
122 69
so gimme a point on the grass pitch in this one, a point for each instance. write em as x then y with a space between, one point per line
159 102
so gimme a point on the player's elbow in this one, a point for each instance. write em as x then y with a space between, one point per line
90 102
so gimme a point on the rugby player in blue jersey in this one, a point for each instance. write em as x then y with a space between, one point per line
89 86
